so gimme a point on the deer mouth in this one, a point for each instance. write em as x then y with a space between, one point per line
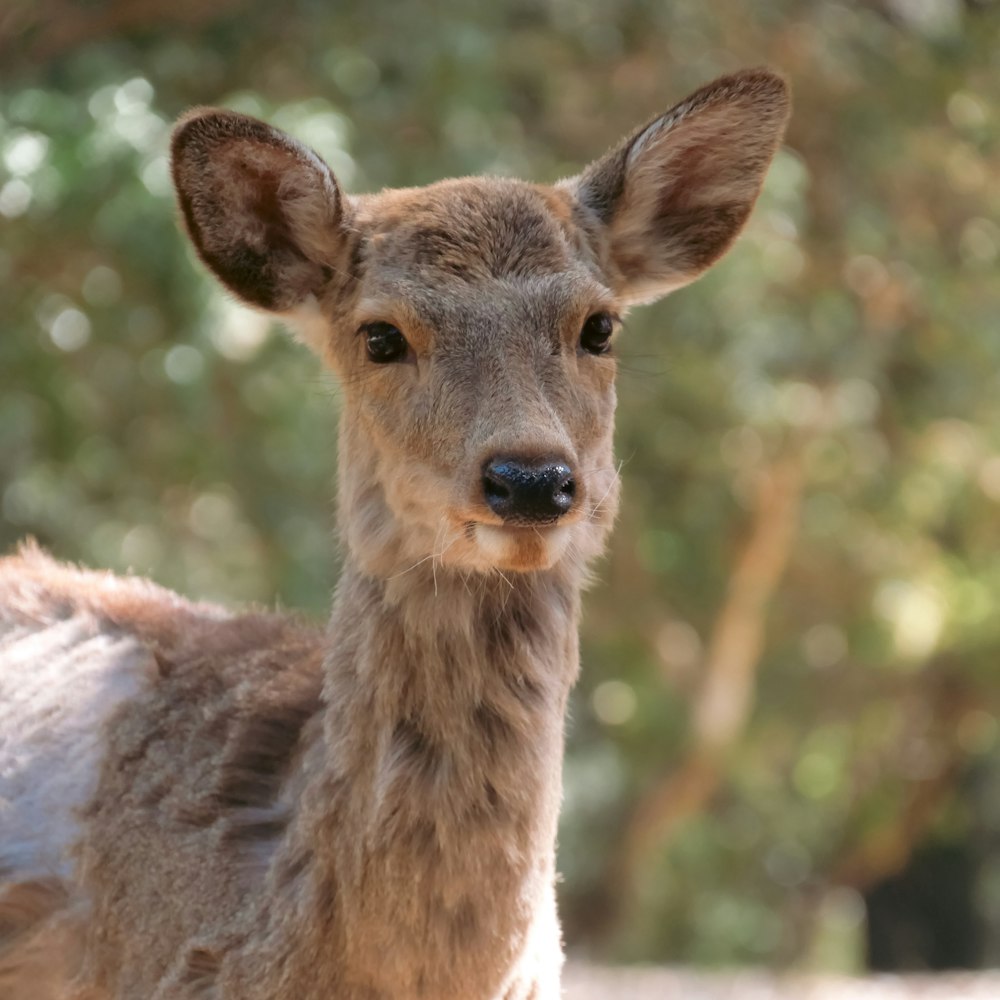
520 547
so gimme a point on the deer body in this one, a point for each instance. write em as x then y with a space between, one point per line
249 807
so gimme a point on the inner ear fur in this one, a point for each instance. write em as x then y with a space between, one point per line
671 198
263 211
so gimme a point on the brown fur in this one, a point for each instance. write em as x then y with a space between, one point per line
370 812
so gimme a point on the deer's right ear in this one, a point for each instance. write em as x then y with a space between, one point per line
264 212
671 198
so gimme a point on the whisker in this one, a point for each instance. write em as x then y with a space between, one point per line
435 554
597 507
409 569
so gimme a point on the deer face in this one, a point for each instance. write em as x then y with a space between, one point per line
471 392
472 323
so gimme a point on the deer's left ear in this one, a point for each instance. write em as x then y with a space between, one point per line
264 212
671 198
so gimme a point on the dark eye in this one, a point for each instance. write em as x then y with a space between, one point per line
595 337
384 342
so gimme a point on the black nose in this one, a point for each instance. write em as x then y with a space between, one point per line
528 492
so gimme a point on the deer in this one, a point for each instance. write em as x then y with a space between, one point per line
199 804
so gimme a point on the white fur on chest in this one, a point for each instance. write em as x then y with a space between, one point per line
59 687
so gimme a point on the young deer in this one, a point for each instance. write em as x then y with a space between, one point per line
208 806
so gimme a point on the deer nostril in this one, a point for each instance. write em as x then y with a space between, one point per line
494 485
562 497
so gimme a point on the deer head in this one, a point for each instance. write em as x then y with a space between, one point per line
472 322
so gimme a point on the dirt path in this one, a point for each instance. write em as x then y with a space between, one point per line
591 983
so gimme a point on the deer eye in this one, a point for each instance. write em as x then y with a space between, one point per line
384 342
595 337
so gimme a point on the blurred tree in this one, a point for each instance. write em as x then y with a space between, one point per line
790 667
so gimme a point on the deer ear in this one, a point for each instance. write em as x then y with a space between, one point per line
264 212
671 198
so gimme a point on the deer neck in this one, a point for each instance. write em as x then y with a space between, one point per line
443 742
452 674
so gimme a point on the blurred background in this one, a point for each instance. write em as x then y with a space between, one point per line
785 746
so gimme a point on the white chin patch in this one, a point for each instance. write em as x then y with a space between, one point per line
521 548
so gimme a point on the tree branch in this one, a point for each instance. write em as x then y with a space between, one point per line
726 695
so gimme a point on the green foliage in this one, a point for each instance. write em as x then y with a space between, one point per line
147 423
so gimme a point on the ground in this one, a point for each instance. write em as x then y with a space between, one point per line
590 983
